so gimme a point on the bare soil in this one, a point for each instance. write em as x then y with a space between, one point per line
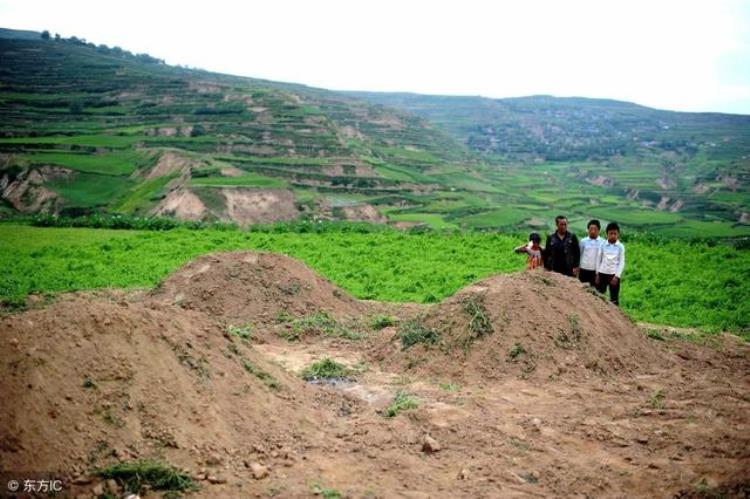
531 386
181 203
246 206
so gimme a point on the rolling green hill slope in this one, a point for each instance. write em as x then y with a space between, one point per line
91 129
87 128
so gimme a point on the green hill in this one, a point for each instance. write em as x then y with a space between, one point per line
89 129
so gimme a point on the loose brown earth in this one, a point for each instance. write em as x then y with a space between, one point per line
556 394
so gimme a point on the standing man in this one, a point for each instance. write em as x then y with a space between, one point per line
561 252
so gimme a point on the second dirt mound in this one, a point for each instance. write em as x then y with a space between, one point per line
245 286
536 324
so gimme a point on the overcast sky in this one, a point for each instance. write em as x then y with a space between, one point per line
682 55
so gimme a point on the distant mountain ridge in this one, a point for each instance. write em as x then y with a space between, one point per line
563 128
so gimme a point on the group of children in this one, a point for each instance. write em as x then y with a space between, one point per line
598 262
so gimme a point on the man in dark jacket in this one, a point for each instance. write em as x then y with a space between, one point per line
561 251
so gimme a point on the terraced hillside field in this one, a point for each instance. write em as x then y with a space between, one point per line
136 136
683 173
90 129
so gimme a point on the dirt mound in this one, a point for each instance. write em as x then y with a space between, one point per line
249 287
533 324
202 374
96 379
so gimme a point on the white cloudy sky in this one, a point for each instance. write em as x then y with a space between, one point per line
682 55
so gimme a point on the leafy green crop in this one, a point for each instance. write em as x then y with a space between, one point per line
688 284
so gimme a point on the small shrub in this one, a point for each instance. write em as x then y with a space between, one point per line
133 476
401 402
283 316
326 493
242 332
479 323
516 350
325 369
413 332
380 321
657 399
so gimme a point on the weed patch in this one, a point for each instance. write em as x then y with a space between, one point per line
413 332
568 338
380 321
135 475
326 369
401 402
657 399
262 375
515 351
242 332
319 323
479 322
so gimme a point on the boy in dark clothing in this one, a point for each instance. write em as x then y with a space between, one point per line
562 252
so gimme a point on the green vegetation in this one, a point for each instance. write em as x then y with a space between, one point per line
143 196
657 399
325 492
568 338
326 369
381 321
479 322
446 162
242 332
87 190
318 323
262 375
247 179
686 284
449 387
401 402
112 163
516 351
133 476
414 331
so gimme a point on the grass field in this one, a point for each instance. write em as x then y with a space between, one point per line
248 179
676 283
91 189
114 163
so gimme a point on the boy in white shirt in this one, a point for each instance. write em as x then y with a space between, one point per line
590 253
610 264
